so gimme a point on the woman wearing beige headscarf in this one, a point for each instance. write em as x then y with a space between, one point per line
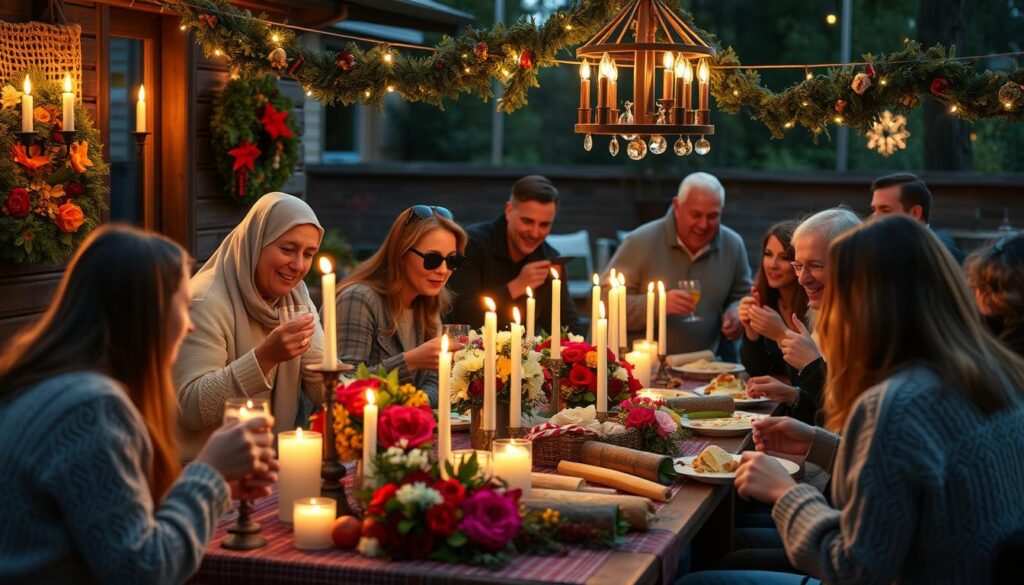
241 346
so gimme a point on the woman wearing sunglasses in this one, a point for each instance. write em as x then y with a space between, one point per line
390 306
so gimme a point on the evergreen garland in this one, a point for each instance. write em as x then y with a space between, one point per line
237 120
512 55
52 198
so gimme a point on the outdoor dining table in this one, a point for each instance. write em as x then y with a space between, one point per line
649 557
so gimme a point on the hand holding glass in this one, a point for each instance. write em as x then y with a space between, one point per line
693 288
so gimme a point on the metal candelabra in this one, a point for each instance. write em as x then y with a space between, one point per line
332 471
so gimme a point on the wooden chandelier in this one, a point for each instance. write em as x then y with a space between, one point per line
642 35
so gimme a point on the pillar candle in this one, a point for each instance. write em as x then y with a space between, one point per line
27 105
140 110
613 313
650 312
484 461
444 402
68 101
641 361
595 298
299 454
369 436
531 313
513 462
490 412
623 319
703 75
584 85
330 358
314 519
602 361
667 77
662 320
556 315
515 400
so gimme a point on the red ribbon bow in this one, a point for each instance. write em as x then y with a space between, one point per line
274 122
245 155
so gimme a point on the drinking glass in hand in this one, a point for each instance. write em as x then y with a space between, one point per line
289 313
692 287
455 333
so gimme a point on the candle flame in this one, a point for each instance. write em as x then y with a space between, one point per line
298 433
444 344
529 292
243 412
490 304
248 403
650 287
602 309
597 281
661 287
703 72
604 69
680 65
622 279
142 93
554 273
515 315
612 281
28 85
371 397
67 83
584 70
668 59
313 501
325 265
613 275
614 76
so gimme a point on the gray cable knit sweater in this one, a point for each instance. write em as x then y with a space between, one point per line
926 487
76 507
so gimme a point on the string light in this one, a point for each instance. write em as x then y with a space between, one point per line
807 74
787 125
883 81
953 109
467 69
838 119
217 53
391 89
388 57
367 93
831 18
805 104
736 92
276 38
183 27
1008 105
309 92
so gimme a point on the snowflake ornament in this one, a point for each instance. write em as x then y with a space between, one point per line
888 133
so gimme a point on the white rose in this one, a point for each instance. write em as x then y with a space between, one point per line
369 547
581 415
575 338
621 374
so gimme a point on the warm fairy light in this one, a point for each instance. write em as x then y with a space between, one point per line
217 53
309 92
584 70
568 27
371 397
325 265
388 57
490 304
27 86
602 309
467 69
883 81
529 292
182 27
142 93
703 72
515 315
554 273
367 93
838 119
805 104
953 109
808 75
444 344
506 73
831 18
736 92
668 60
248 403
67 83
597 280
787 125
650 287
1008 105
276 38
391 89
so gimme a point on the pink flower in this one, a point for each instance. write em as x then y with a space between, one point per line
414 424
640 417
353 396
666 425
490 519
861 83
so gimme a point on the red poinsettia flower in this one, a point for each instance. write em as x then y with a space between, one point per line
275 123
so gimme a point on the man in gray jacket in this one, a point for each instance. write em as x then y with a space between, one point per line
689 243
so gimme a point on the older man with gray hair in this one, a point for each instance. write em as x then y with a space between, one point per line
688 243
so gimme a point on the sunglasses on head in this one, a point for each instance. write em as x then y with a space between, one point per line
425 211
432 260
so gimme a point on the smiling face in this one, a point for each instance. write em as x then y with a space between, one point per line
179 323
286 261
418 281
529 223
775 264
697 218
812 249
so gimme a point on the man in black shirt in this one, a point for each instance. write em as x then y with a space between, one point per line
509 254
907 194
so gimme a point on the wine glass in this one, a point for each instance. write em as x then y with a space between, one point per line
244 533
691 286
455 333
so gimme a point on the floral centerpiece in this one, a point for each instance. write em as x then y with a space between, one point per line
405 413
467 382
578 373
658 424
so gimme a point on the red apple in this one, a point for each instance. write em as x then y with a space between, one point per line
345 532
374 528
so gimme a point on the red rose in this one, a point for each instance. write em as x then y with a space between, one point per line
476 388
580 375
414 424
353 396
441 520
939 86
316 422
451 490
18 203
74 189
574 353
634 385
69 218
640 417
611 357
542 346
380 499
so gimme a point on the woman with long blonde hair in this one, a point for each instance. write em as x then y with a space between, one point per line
927 478
93 490
390 306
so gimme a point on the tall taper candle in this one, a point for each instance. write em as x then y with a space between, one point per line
603 76
531 313
27 105
444 402
662 320
613 312
667 76
330 358
556 316
650 312
68 101
515 399
623 325
595 298
490 413
584 85
140 110
602 361
613 95
369 436
703 75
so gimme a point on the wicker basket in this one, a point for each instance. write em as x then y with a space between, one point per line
548 451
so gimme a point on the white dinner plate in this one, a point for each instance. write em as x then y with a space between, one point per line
711 370
699 391
736 425
684 466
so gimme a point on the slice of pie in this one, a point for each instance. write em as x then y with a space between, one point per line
726 385
714 459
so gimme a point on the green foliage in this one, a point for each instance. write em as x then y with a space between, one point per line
36 238
236 119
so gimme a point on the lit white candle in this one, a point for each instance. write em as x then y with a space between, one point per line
703 75
623 328
531 313
650 312
330 359
602 361
641 361
662 320
556 315
314 519
613 79
27 105
68 101
444 402
613 312
515 406
484 461
595 299
651 349
299 456
667 77
140 110
490 413
369 437
513 463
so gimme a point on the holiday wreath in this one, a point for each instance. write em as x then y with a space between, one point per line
254 138
54 190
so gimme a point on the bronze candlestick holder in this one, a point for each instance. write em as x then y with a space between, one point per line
662 375
556 390
332 471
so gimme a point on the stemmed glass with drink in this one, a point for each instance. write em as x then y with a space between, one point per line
243 533
691 286
456 334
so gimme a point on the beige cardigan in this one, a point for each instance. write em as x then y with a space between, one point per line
207 372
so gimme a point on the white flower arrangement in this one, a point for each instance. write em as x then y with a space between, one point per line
419 495
469 365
